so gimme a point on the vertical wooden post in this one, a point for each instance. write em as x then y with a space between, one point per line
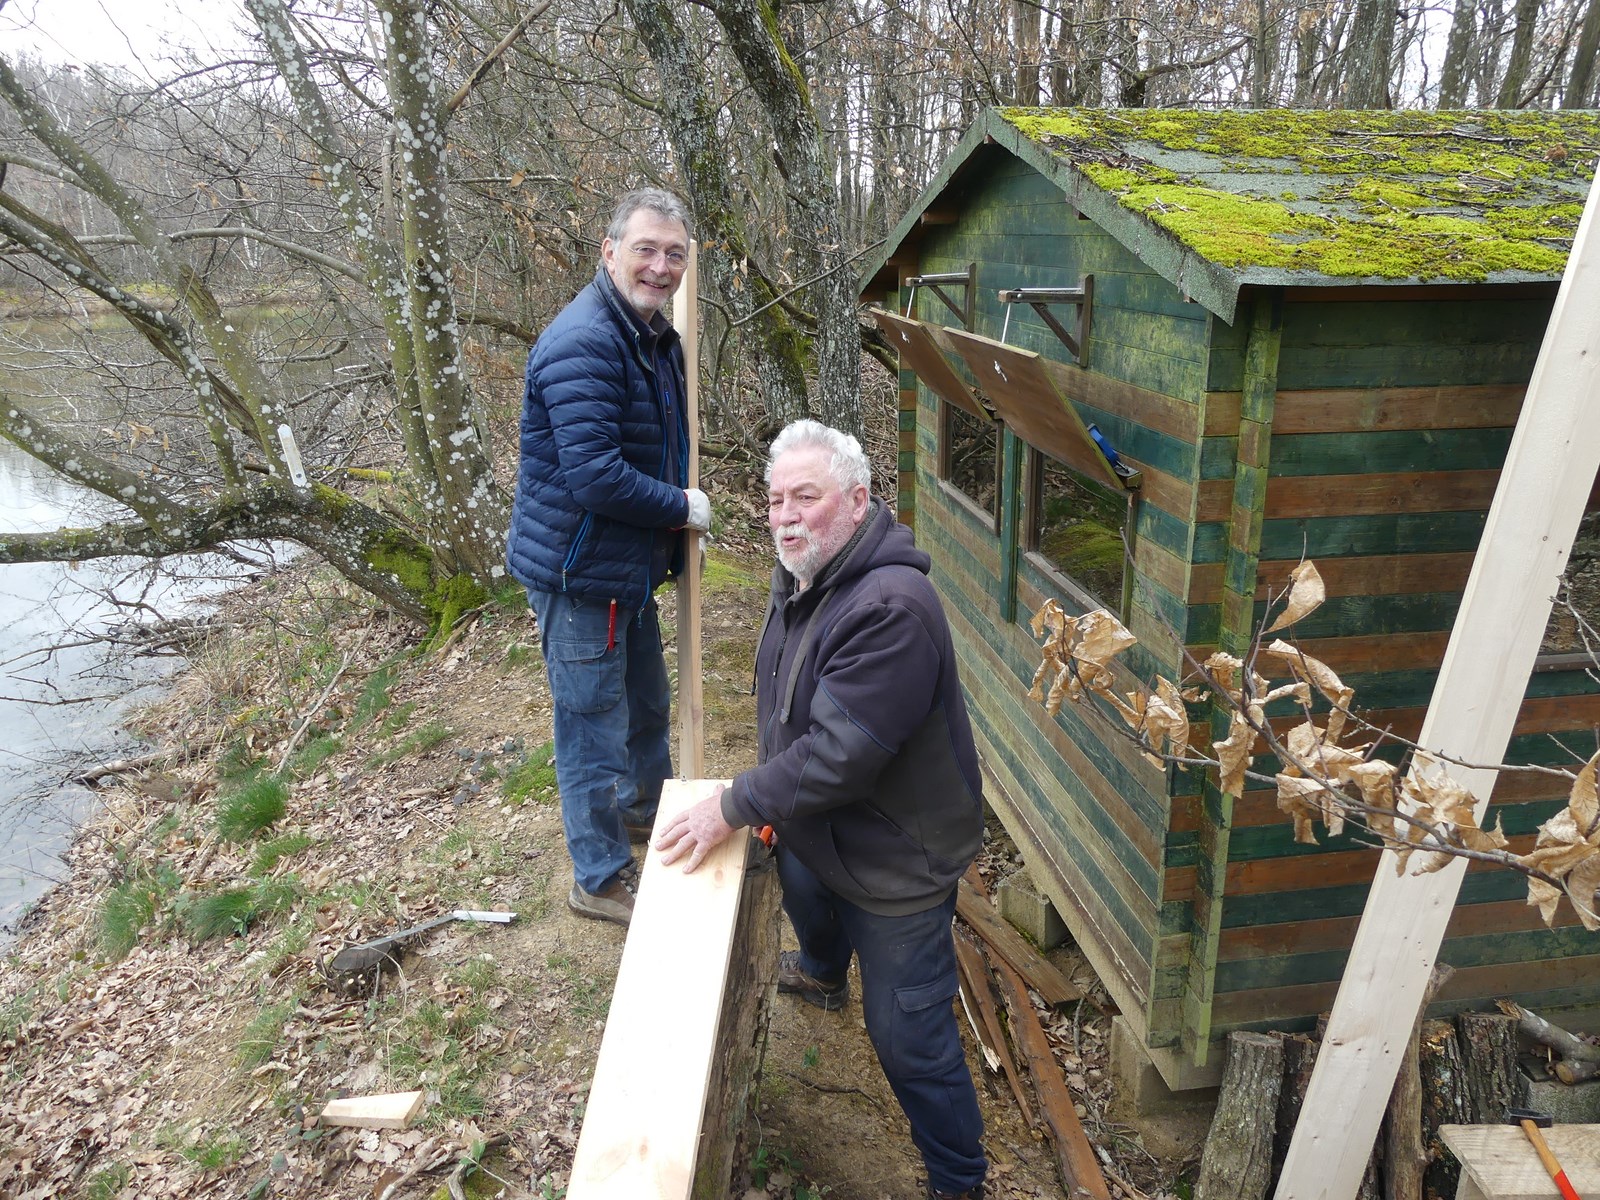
691 696
1238 626
1549 471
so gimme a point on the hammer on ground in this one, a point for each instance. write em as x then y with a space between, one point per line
1531 1123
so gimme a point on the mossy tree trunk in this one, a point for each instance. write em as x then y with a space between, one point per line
705 159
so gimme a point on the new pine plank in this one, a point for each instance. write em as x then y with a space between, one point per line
641 1131
691 687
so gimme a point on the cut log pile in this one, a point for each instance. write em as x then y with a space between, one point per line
998 968
1456 1072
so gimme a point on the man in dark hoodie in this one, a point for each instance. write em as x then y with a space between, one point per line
600 497
869 778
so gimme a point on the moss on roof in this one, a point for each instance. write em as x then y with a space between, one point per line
1464 196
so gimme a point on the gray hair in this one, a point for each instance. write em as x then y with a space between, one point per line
847 462
657 200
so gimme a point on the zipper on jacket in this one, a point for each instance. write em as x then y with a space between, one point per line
577 548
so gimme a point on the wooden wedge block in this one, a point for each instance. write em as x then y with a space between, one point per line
391 1110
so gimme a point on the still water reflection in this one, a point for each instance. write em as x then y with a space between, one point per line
63 691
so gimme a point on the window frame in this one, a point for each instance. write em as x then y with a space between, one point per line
1032 518
990 519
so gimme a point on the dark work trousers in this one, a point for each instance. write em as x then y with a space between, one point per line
908 983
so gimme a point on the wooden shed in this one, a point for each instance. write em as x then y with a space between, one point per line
1297 333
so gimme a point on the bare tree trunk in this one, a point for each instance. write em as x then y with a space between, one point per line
690 116
1263 57
1453 74
781 90
1525 16
1581 81
473 515
1025 36
1368 55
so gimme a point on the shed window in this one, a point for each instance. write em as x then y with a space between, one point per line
1075 527
969 457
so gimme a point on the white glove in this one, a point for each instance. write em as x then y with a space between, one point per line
699 510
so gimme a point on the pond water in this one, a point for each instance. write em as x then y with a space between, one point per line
63 689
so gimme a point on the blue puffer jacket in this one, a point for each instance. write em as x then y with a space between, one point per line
599 487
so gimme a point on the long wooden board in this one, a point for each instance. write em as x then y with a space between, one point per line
641 1132
691 688
1549 472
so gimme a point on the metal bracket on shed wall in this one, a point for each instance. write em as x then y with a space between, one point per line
937 283
1040 299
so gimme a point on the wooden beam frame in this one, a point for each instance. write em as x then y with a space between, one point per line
1549 471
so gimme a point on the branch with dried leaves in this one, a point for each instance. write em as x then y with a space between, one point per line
1412 807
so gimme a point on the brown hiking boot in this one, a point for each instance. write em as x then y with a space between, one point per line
613 903
829 997
973 1193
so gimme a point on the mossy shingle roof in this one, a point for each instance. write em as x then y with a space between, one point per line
1217 200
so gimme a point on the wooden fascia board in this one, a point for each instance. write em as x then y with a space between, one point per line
1214 287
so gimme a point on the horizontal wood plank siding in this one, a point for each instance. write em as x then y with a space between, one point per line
1389 430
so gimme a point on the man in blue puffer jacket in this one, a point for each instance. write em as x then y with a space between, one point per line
594 531
868 775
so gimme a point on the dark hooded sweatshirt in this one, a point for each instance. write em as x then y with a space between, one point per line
867 768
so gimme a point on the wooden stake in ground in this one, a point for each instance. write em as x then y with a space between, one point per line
1549 471
691 699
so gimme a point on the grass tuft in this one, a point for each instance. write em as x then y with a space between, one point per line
251 809
260 1038
269 854
107 1182
129 906
532 779
232 911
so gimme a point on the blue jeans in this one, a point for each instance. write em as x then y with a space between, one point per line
908 983
612 710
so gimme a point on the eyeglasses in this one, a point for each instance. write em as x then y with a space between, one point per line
676 259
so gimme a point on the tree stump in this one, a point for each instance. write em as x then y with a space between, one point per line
1444 1102
1299 1057
1237 1163
742 1035
1489 1048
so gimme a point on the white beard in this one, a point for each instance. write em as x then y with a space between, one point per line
805 562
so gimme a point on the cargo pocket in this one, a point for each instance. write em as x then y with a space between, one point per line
924 1037
585 676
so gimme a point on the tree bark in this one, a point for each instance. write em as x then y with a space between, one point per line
1368 54
705 161
782 92
1444 1102
1581 82
1526 17
1237 1162
1489 1048
1453 76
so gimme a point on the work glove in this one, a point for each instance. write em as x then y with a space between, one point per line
699 510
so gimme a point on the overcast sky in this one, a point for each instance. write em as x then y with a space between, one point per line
118 32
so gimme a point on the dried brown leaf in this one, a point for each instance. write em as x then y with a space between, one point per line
1582 884
1297 796
1233 753
1376 781
1306 594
